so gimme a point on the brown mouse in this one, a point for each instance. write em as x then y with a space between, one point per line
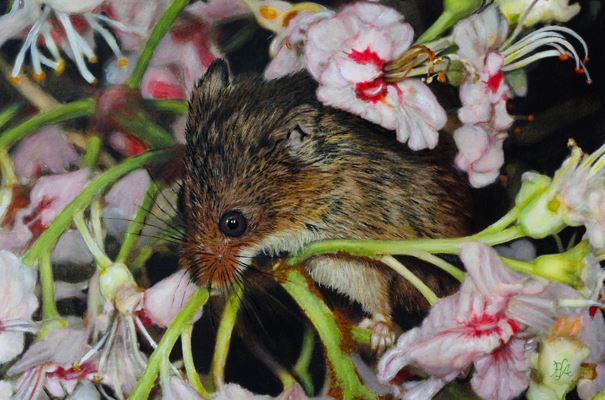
269 169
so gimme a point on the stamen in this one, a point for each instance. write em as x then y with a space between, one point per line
35 58
109 39
120 26
30 38
49 42
528 60
74 43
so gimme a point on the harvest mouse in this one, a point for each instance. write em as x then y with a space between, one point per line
269 169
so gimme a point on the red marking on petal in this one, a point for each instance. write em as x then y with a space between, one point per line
368 56
77 371
134 146
592 311
79 23
165 90
203 50
493 82
403 375
371 91
145 320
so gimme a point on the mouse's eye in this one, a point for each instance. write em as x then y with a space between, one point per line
233 223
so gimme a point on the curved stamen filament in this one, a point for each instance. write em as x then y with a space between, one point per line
106 35
74 44
399 68
32 36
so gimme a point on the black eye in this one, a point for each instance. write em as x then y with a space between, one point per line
233 223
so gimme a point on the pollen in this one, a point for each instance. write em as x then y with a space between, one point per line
268 12
531 117
554 205
122 62
76 367
92 59
563 56
40 76
441 77
579 70
14 80
60 67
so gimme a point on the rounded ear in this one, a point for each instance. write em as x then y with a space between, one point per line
207 91
216 78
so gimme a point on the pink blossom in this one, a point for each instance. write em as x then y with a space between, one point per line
18 303
480 154
162 83
483 94
165 299
504 373
123 200
48 197
178 389
47 150
346 55
593 336
287 49
54 364
139 14
470 327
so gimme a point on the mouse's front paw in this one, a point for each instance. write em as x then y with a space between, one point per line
383 332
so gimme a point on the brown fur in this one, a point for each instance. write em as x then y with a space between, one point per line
346 178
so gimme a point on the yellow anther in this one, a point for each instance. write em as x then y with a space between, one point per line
268 12
15 80
92 59
39 76
60 67
122 62
296 8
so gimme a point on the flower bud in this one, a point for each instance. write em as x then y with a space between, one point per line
567 268
539 212
113 279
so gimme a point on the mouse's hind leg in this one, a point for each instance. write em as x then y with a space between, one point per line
364 283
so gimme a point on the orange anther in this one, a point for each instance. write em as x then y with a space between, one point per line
441 77
579 70
60 67
15 80
563 56
39 76
268 12
122 62
517 131
531 117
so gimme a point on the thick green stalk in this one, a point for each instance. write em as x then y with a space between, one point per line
47 287
139 124
62 113
439 263
453 11
343 372
301 367
93 148
192 375
409 276
160 29
378 248
94 188
136 225
174 106
9 112
223 336
162 351
507 219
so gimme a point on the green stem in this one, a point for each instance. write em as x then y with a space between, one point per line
192 375
174 106
160 29
439 263
61 222
378 248
361 335
181 321
321 317
139 124
9 112
409 276
507 219
93 148
62 113
136 225
453 11
47 287
7 169
301 367
99 255
223 337
96 211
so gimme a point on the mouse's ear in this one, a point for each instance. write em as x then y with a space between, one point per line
216 78
208 89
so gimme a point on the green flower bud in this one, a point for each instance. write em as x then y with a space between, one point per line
567 268
114 278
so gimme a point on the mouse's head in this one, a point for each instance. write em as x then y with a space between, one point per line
259 171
